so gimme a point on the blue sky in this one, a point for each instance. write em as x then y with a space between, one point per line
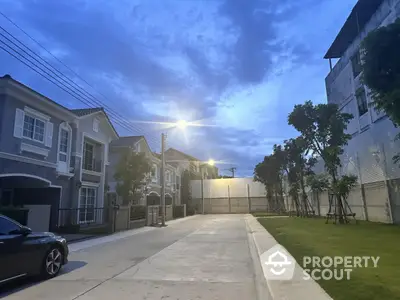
238 65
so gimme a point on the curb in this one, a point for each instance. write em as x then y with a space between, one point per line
262 288
296 288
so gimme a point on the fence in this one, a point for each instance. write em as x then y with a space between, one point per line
235 195
368 156
82 216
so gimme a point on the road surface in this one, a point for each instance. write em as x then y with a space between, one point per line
202 257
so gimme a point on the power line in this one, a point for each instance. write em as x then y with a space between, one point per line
46 77
91 101
118 119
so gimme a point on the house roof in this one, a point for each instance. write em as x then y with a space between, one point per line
127 141
82 112
183 154
27 88
86 111
356 21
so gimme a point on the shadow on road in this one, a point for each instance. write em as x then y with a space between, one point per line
24 283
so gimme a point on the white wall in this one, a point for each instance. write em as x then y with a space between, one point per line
218 188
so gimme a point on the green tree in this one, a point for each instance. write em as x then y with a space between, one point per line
299 166
270 172
131 174
381 68
322 127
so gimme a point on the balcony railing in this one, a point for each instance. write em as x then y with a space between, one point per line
92 165
82 216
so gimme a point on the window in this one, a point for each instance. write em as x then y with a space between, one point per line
361 102
64 135
88 156
33 128
154 173
8 227
356 64
96 124
87 205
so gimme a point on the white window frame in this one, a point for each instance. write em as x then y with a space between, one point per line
35 118
65 126
93 156
155 176
96 125
85 190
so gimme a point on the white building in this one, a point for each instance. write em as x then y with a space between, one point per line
370 151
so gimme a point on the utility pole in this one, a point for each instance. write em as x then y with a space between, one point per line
162 178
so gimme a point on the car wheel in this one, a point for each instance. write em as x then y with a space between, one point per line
52 263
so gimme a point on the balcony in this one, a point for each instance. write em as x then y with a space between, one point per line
92 165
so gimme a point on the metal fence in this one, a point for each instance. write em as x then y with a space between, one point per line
83 216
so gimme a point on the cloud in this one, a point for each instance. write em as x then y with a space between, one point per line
236 64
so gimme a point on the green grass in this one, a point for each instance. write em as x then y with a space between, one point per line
312 237
267 214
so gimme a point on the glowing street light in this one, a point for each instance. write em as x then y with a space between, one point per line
181 124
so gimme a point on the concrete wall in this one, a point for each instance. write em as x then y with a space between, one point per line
236 195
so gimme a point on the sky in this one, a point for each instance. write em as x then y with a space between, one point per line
236 66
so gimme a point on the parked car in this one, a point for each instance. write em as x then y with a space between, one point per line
26 253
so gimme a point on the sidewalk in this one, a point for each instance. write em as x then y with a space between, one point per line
297 287
94 241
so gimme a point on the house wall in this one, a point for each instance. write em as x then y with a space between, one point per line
12 160
11 144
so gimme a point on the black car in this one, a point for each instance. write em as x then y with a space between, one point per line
27 253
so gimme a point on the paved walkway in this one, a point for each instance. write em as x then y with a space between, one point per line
204 257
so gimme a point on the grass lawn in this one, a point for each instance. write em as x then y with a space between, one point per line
312 237
267 214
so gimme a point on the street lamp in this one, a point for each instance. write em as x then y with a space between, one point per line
210 162
181 124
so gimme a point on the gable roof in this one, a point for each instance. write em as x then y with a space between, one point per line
127 141
7 78
86 111
183 154
355 23
83 112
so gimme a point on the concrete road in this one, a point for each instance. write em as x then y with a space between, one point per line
204 257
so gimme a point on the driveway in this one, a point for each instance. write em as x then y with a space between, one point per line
204 257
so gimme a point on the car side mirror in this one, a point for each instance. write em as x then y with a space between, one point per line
25 230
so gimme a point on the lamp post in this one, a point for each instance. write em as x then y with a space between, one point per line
182 124
209 163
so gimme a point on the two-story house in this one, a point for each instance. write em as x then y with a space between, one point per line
41 167
151 192
370 151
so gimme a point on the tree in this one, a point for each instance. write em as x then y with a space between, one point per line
381 70
131 174
322 127
270 173
299 165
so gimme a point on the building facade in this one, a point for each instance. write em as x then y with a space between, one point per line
369 153
151 190
41 168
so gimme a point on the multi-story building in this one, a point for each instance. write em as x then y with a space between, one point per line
52 159
370 151
150 194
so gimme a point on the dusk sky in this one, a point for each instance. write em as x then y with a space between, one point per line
237 65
